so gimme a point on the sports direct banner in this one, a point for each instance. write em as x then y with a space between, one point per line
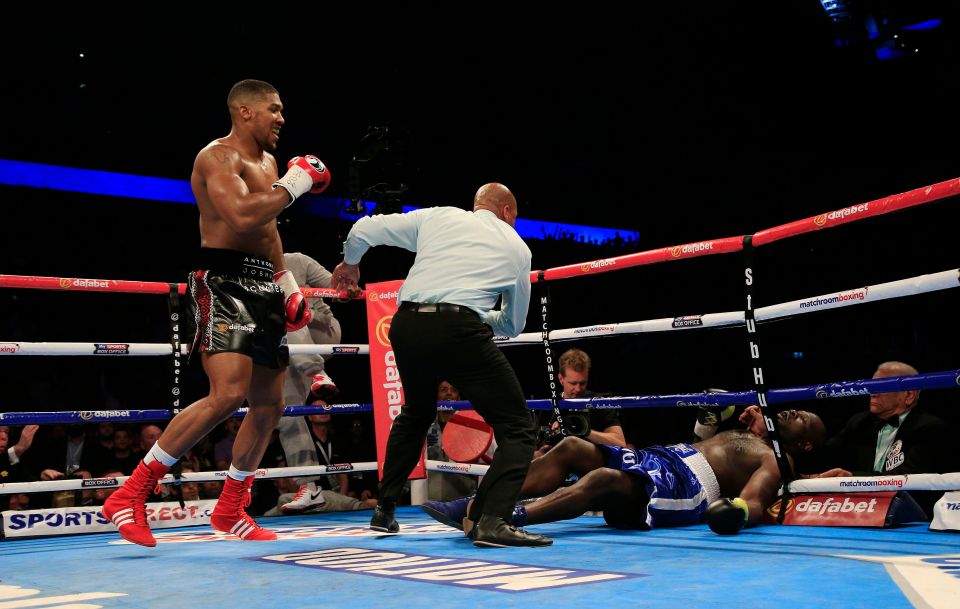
839 510
387 388
73 520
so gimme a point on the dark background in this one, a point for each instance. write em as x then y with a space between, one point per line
683 122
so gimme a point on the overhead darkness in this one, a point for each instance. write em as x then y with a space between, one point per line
724 117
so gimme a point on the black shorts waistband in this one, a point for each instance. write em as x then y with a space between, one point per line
435 307
235 263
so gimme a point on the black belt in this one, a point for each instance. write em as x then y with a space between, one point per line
434 307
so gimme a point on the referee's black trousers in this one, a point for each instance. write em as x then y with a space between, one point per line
457 347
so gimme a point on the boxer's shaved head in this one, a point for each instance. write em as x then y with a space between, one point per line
247 91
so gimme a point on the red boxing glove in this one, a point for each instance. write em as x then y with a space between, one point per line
298 314
304 174
323 387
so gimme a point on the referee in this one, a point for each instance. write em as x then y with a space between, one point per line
465 262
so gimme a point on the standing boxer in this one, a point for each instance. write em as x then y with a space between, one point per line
241 302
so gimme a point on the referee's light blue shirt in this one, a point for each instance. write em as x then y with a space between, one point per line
465 258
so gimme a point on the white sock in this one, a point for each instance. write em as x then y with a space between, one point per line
238 475
158 454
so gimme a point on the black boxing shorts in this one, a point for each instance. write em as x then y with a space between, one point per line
235 307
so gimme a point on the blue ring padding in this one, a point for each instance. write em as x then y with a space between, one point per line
845 389
90 416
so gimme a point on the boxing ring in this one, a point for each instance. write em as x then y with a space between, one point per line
333 560
345 563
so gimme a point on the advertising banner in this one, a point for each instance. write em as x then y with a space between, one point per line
835 510
385 379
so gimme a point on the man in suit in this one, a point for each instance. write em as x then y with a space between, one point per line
10 470
893 437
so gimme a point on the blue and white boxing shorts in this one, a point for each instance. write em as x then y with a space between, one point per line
679 481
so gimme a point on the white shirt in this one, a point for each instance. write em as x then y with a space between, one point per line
465 258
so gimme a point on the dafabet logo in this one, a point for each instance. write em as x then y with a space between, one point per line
382 330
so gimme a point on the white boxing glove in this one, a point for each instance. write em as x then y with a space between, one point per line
304 174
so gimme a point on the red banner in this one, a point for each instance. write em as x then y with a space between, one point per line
385 379
838 510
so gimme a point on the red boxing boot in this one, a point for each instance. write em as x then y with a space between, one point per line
230 517
126 508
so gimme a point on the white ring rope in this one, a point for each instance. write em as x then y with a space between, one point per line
849 484
911 286
71 484
854 484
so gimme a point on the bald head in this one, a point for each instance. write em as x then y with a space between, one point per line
888 405
887 369
497 198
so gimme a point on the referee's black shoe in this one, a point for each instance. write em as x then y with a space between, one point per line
494 532
384 520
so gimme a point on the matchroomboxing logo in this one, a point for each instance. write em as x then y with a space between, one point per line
382 330
9 348
596 330
691 248
874 484
859 294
